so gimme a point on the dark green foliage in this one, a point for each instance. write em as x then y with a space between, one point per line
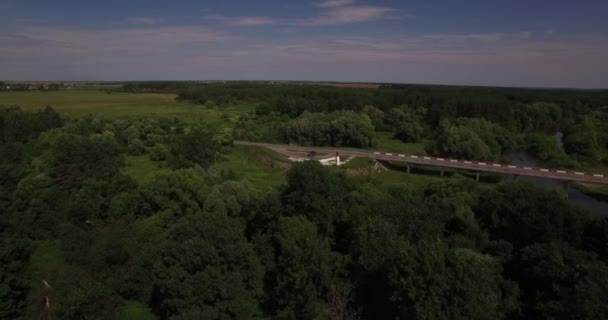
14 256
159 153
521 214
317 193
596 236
19 126
303 270
583 141
13 167
230 198
546 149
425 280
195 243
455 199
407 123
194 148
74 158
494 104
136 147
268 128
208 270
376 116
154 86
539 116
558 281
178 193
37 207
432 282
79 295
477 139
342 128
409 131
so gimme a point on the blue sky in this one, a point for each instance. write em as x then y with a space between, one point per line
507 43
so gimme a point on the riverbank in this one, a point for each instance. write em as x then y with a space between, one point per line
597 192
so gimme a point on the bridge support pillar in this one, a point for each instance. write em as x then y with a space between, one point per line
337 159
408 168
515 178
567 189
442 173
477 176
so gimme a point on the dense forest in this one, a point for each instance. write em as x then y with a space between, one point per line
190 242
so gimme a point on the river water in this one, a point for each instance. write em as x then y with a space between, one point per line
574 196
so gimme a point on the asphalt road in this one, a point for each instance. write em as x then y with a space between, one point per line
555 174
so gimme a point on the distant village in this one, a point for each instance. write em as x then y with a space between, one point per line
11 86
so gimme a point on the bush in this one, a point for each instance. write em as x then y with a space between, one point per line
159 153
136 147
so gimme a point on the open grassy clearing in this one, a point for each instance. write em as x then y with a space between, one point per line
135 311
260 167
47 257
387 143
386 180
140 167
358 163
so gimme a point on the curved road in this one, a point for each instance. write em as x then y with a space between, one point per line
554 174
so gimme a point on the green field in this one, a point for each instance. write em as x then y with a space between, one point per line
77 103
135 311
260 167
387 143
139 167
357 163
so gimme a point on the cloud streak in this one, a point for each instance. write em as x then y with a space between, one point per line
347 15
333 3
244 21
333 12
143 20
118 46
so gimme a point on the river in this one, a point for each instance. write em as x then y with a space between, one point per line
574 195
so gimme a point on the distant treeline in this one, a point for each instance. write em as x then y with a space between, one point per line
499 105
155 86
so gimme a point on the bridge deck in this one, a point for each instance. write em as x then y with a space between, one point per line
555 174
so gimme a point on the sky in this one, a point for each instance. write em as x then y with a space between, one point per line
540 43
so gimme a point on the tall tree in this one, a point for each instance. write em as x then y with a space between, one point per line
195 147
208 270
303 270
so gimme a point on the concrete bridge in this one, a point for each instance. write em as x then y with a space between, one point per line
477 166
